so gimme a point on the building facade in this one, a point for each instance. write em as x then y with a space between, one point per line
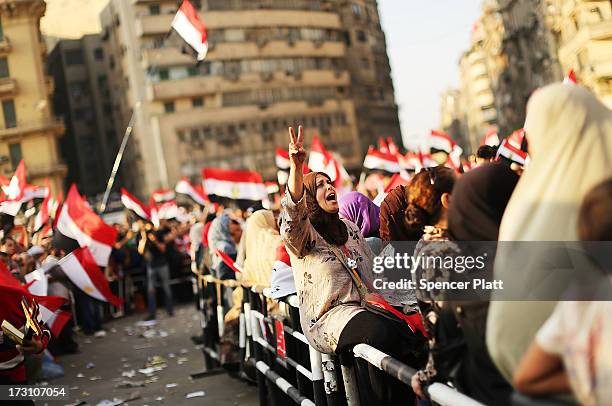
28 128
82 97
271 64
477 96
452 117
584 30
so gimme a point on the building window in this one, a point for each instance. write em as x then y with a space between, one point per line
1 32
8 109
4 69
164 74
356 10
361 36
154 9
169 107
197 102
15 154
74 57
98 54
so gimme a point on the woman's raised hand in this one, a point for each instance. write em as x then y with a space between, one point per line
297 154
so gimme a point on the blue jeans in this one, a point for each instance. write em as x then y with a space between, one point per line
163 274
88 312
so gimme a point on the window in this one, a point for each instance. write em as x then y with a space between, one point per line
197 102
74 57
154 9
15 154
169 107
356 10
98 54
78 89
1 32
192 71
4 69
8 109
361 36
164 74
78 114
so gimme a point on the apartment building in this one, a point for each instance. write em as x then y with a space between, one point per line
28 128
271 64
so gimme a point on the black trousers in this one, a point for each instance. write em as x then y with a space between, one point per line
375 386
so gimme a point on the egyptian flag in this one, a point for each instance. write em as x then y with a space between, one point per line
516 138
509 151
13 193
411 161
396 180
234 184
195 193
163 195
167 210
81 268
228 260
132 203
272 187
321 160
32 192
382 146
79 222
376 159
393 148
441 141
44 212
570 79
191 29
52 314
282 158
491 138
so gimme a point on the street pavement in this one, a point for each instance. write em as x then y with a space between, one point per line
151 364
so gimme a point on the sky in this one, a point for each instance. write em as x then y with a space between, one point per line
425 39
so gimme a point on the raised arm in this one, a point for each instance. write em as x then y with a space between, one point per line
297 155
296 230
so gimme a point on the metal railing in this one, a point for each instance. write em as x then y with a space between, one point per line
281 355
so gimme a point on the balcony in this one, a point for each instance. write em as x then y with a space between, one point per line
596 32
45 171
5 46
23 129
199 85
159 24
8 87
171 56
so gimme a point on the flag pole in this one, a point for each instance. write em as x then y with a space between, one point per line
111 179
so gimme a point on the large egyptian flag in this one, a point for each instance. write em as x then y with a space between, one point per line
79 222
234 184
131 202
376 159
191 29
81 268
196 194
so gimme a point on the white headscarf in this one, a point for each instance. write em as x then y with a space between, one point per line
570 143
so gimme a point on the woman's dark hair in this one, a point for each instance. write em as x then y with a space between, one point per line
425 191
594 219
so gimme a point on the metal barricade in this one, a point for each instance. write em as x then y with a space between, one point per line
299 372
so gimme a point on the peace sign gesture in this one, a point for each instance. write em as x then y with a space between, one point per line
297 154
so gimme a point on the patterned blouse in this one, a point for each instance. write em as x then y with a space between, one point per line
328 297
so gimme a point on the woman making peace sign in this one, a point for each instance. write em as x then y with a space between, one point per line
332 317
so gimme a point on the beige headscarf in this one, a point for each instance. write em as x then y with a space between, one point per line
570 144
261 241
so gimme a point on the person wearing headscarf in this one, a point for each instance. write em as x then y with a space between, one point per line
457 329
321 246
259 244
362 211
570 144
223 235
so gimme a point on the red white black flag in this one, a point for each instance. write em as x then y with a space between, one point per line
191 29
132 203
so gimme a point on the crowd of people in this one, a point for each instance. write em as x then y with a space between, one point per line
321 246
